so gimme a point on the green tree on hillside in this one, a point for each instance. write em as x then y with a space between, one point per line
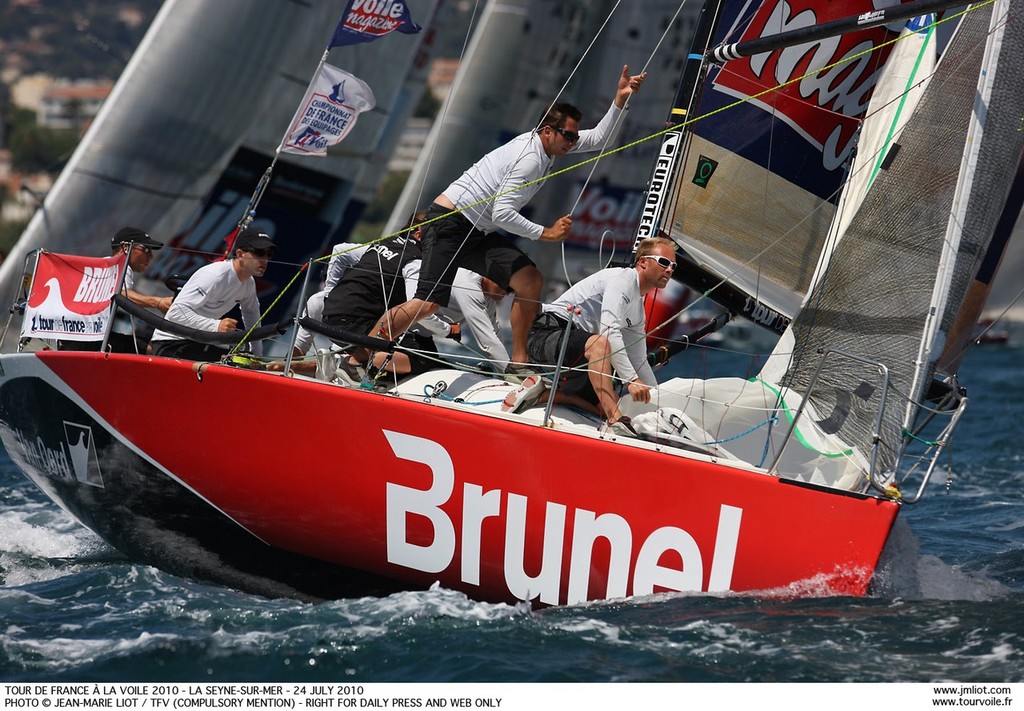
35 148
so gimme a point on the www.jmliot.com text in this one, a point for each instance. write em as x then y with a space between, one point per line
972 695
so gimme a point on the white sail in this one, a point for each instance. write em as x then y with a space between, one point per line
893 101
902 81
896 281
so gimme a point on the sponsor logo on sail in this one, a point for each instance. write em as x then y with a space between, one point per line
658 189
831 77
703 171
768 317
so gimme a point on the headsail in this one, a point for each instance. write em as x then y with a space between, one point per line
898 277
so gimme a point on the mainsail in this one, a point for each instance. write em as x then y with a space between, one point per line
895 282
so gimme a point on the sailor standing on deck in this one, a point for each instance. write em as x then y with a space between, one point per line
213 291
488 197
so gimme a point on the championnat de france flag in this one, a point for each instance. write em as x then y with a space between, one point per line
327 112
70 296
366 20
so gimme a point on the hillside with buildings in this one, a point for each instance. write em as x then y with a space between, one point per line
58 62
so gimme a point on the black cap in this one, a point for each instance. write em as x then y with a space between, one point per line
134 234
251 239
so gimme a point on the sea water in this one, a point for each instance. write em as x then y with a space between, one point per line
947 604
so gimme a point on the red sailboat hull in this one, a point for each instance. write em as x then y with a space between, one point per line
290 486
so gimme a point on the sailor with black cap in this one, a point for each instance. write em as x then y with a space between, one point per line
139 247
213 291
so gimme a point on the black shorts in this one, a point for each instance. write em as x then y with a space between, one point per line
452 242
353 324
544 345
420 362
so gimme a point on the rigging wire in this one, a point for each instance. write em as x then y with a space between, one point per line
445 106
614 131
658 134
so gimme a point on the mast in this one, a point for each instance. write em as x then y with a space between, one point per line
666 167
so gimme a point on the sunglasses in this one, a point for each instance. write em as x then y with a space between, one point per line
261 253
570 136
145 249
662 261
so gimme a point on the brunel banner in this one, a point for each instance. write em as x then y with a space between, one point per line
70 296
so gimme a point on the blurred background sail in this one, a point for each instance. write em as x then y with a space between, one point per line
192 124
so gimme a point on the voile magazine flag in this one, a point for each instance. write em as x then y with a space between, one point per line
366 20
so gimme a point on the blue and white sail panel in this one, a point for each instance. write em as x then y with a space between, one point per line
776 130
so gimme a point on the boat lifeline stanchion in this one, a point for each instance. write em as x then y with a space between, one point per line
299 308
558 369
21 300
113 307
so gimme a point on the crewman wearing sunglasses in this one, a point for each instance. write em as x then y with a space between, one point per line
461 228
214 291
607 337
139 248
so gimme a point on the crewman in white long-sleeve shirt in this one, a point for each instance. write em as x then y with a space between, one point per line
473 308
461 224
213 291
608 334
